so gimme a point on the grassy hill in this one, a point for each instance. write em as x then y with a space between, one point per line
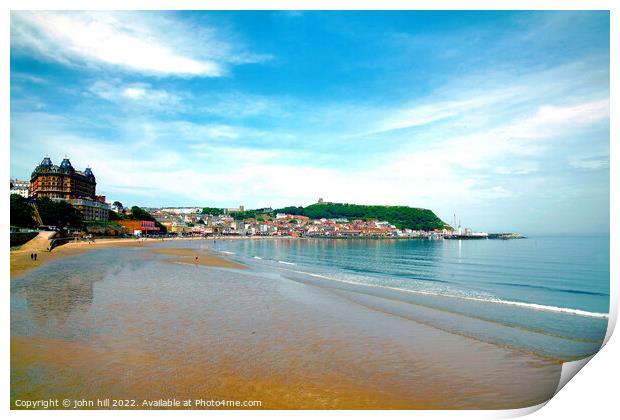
403 217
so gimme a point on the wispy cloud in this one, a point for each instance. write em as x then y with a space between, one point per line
590 163
237 105
136 95
151 44
425 114
552 121
20 77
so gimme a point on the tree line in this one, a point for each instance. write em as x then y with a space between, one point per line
403 217
53 213
62 214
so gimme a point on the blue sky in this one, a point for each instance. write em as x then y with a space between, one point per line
499 117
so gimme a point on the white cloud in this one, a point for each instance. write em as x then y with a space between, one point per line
240 105
140 95
552 120
442 166
28 78
191 133
541 101
435 111
134 92
138 42
589 163
416 117
517 168
232 105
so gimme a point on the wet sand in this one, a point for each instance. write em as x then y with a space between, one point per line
197 257
21 261
142 327
72 364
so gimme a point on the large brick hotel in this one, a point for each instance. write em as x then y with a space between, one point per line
65 183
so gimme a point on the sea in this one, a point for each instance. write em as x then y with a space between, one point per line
545 295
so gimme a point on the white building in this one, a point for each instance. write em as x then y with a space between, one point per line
234 209
20 187
90 209
183 210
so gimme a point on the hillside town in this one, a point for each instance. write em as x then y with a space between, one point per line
64 184
194 221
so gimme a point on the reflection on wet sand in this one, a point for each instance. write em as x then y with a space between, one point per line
54 299
147 329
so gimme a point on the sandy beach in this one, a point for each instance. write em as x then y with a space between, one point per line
21 261
149 321
197 257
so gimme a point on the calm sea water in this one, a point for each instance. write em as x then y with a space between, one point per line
545 295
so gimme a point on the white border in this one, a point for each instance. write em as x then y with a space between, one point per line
310 5
592 395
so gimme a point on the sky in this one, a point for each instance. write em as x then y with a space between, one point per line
501 118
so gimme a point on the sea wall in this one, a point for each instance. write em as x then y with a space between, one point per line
20 238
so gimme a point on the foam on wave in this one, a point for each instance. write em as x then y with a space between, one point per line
533 306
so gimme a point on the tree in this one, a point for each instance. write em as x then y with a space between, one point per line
116 216
213 211
399 216
242 215
118 204
138 214
21 212
58 213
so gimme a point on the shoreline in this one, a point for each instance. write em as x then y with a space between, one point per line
21 263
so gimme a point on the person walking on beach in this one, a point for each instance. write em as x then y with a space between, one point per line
35 256
32 256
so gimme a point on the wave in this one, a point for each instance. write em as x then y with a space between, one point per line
287 263
256 257
554 289
533 306
227 252
366 270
